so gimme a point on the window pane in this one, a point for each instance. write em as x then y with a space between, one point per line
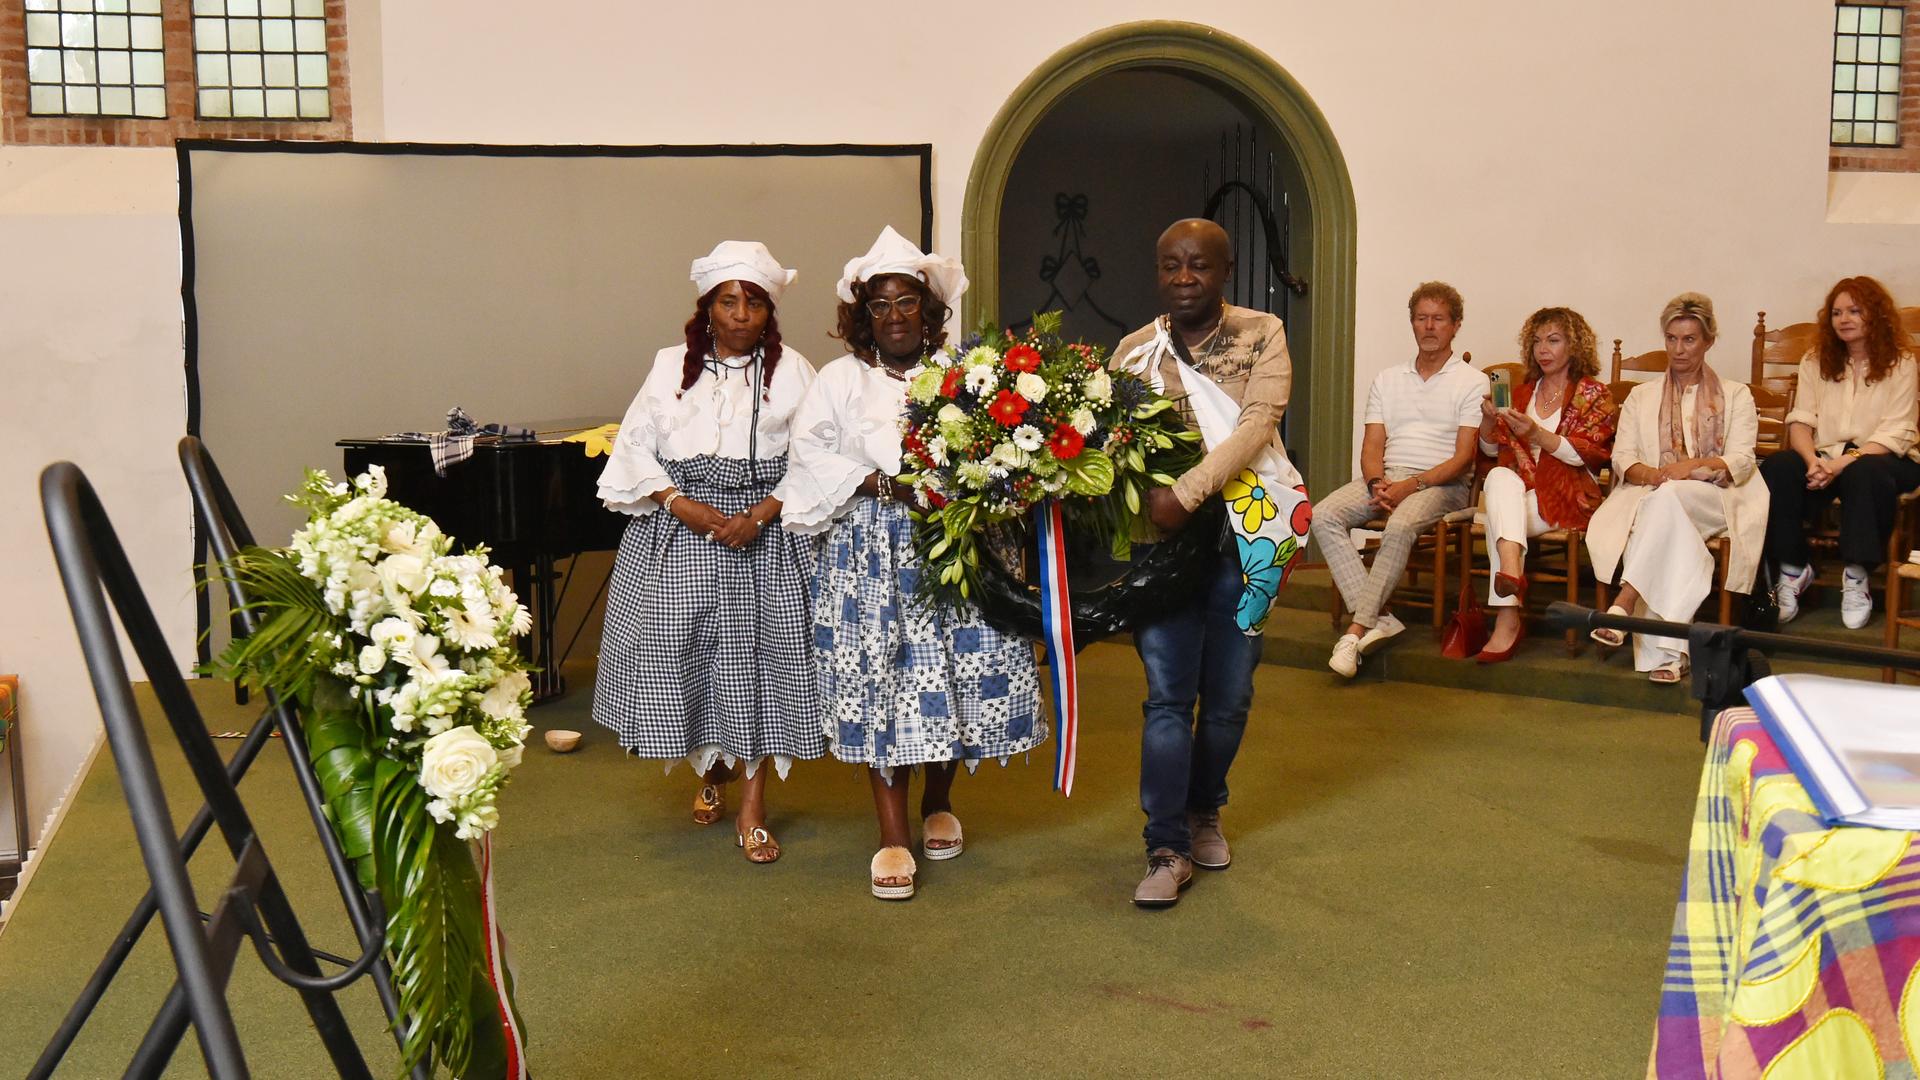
149 101
1890 79
1886 134
1863 106
1843 49
1843 76
244 69
243 7
149 69
110 7
76 30
1842 132
212 69
214 103
146 31
313 104
80 67
210 35
312 70
76 5
43 29
117 100
1890 50
43 5
1843 106
43 65
1889 107
310 8
116 69
46 101
111 30
249 103
310 35
1848 19
281 105
243 35
83 99
276 7
276 35
145 7
278 70
209 7
1870 20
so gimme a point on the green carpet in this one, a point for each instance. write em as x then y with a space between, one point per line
1427 882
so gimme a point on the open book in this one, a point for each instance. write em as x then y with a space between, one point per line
1854 745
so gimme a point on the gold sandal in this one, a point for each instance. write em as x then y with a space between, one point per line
760 845
709 804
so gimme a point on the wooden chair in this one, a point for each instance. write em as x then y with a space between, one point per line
1773 401
1652 363
1777 353
1901 614
1429 558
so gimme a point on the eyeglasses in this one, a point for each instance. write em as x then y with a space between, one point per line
908 305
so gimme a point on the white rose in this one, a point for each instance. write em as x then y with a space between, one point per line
372 659
1031 386
1027 437
510 757
502 702
1082 421
951 414
1098 387
407 573
454 762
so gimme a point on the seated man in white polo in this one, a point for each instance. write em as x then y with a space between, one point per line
1416 467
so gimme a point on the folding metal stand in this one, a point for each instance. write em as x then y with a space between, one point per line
1725 660
94 570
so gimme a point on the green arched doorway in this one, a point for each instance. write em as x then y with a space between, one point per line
1264 86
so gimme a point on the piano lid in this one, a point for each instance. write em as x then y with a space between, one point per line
545 432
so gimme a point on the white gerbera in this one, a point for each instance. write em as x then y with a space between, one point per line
980 378
1028 438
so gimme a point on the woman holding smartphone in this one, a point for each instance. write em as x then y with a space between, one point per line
1546 444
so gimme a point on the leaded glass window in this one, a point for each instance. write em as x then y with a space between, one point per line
1866 75
95 58
261 59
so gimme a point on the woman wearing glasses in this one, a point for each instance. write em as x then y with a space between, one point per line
901 683
705 654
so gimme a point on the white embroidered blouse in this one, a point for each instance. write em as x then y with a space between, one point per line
848 427
714 417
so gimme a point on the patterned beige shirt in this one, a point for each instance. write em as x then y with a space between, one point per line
1247 357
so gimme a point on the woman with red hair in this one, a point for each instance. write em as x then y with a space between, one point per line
706 654
1851 436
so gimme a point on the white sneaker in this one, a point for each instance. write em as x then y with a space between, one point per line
1786 591
1345 660
1856 602
1383 629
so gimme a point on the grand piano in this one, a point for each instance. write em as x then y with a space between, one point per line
530 500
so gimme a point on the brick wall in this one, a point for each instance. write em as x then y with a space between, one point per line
1904 158
16 126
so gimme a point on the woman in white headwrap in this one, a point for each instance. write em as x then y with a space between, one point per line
1683 473
706 652
902 683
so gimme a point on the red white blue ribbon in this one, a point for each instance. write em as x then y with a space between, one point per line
499 977
1056 625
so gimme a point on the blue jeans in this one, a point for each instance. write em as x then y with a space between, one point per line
1194 655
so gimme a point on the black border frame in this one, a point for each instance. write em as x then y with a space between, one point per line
183 156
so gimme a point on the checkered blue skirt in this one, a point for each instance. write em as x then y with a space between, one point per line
902 683
705 646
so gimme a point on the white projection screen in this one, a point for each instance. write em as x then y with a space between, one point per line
348 290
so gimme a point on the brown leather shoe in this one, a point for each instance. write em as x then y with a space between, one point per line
1209 846
1168 872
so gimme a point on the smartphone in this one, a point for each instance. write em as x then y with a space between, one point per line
1502 390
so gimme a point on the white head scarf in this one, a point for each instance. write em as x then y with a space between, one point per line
895 254
741 260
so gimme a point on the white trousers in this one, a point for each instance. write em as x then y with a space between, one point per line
1668 563
1513 513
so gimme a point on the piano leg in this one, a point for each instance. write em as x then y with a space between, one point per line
535 584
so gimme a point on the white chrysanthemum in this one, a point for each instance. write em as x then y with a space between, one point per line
974 474
1082 421
1030 386
1028 438
981 356
1098 387
951 414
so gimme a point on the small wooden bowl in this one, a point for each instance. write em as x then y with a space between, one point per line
562 741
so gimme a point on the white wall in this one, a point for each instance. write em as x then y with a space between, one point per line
1600 155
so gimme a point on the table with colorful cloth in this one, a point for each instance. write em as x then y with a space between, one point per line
1795 944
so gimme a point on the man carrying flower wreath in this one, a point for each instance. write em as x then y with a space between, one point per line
1199 659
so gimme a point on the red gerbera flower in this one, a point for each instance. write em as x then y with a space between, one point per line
1066 443
1007 408
950 386
1023 358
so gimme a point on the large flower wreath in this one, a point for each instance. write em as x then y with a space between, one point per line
400 655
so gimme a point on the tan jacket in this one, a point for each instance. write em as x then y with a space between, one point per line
1248 359
1851 410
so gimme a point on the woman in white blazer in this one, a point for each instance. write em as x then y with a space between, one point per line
1683 474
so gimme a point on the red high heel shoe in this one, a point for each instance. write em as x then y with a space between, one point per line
1487 656
1515 586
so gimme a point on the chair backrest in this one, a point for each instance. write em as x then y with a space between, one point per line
95 572
1910 322
1777 353
1653 362
1772 401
